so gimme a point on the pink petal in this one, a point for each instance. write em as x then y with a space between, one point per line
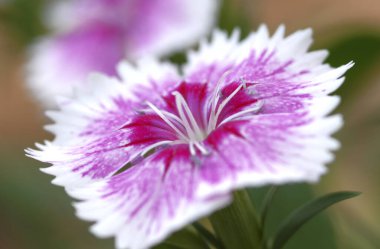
61 63
144 204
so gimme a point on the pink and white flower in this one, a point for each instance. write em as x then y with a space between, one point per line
94 35
154 150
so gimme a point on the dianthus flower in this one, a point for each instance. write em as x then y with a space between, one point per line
153 151
94 35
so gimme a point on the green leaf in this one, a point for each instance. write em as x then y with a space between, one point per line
267 203
183 239
207 235
237 225
303 214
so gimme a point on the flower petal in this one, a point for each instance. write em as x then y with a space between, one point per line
148 78
146 203
167 25
268 149
60 63
280 70
89 142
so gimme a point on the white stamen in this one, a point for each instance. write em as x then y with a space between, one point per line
244 82
214 118
193 137
225 102
195 134
203 150
192 149
152 146
254 109
215 97
163 117
171 115
199 146
166 113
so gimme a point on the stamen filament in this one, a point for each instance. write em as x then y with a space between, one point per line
192 149
215 97
171 115
202 148
186 126
214 118
167 121
244 112
152 146
199 146
181 106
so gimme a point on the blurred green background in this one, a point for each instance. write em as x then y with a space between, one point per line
37 215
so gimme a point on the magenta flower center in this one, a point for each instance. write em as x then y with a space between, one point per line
191 112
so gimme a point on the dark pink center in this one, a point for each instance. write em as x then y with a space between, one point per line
190 112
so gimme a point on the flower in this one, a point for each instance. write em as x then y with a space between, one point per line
151 152
93 35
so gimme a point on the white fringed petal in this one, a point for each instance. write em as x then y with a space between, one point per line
140 207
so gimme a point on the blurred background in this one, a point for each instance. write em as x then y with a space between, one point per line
37 215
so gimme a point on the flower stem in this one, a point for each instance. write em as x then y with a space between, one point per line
237 225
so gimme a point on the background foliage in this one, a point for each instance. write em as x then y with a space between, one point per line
37 215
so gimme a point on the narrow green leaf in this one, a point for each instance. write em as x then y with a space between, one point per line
267 203
237 225
264 213
304 213
207 235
